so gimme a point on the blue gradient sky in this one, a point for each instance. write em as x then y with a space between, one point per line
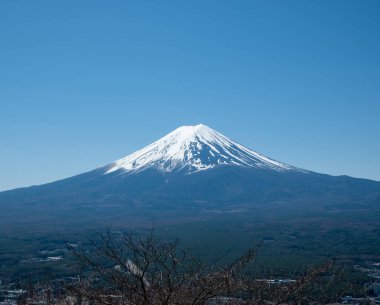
83 83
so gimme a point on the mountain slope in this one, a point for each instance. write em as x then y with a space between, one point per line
192 169
194 148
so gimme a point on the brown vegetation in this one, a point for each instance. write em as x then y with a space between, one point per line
135 270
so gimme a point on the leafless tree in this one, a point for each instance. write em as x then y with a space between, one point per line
143 270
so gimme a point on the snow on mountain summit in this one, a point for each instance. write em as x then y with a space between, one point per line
194 148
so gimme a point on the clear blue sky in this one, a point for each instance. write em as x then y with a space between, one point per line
83 83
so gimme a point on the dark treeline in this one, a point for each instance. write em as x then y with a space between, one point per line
146 270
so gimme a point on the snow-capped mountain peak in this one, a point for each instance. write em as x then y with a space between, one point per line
194 148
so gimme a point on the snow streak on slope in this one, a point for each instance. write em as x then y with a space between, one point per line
194 148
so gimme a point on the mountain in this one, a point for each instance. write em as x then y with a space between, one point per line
193 149
188 173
